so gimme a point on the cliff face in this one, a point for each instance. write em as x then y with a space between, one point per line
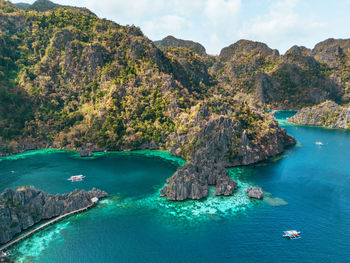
327 114
216 135
21 209
171 41
299 78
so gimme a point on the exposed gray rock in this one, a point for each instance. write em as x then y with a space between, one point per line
189 182
327 114
220 142
246 46
256 193
171 41
85 152
24 207
225 186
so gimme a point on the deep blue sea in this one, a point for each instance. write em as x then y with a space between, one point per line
307 189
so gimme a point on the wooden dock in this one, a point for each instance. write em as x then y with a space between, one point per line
45 225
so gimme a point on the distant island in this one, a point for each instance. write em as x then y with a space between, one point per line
71 80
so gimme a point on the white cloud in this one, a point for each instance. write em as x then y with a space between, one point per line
281 25
221 11
171 24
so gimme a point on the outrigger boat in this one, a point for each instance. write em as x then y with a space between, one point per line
76 178
319 143
291 234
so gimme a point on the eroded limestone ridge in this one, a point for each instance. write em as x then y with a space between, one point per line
171 41
217 135
327 114
26 206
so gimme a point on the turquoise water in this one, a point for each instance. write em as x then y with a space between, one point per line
308 190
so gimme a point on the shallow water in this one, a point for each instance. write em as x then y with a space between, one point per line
308 190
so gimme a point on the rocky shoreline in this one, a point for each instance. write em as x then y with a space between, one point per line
24 207
327 114
213 136
221 142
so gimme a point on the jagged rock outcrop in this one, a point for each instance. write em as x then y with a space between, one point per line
188 67
171 41
256 193
225 185
85 152
213 141
26 206
192 181
327 114
300 77
332 51
244 47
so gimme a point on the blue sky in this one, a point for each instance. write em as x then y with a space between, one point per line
219 23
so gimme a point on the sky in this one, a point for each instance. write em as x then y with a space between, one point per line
218 23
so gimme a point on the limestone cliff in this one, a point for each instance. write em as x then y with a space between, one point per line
217 135
293 80
327 114
171 41
24 207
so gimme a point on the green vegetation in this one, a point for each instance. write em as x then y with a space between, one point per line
327 114
69 79
293 80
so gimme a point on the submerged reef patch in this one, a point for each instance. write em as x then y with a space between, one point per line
274 201
211 208
31 248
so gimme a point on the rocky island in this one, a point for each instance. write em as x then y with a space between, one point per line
22 208
327 114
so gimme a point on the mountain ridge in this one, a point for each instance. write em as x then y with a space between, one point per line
72 80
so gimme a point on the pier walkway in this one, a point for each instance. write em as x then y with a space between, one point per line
46 224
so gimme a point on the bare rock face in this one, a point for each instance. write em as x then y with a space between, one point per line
256 193
214 142
171 41
244 47
24 207
85 152
225 186
327 114
189 182
331 51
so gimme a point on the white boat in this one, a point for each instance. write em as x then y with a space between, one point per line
319 143
76 178
5 254
291 234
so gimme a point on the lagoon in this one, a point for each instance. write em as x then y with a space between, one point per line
308 189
